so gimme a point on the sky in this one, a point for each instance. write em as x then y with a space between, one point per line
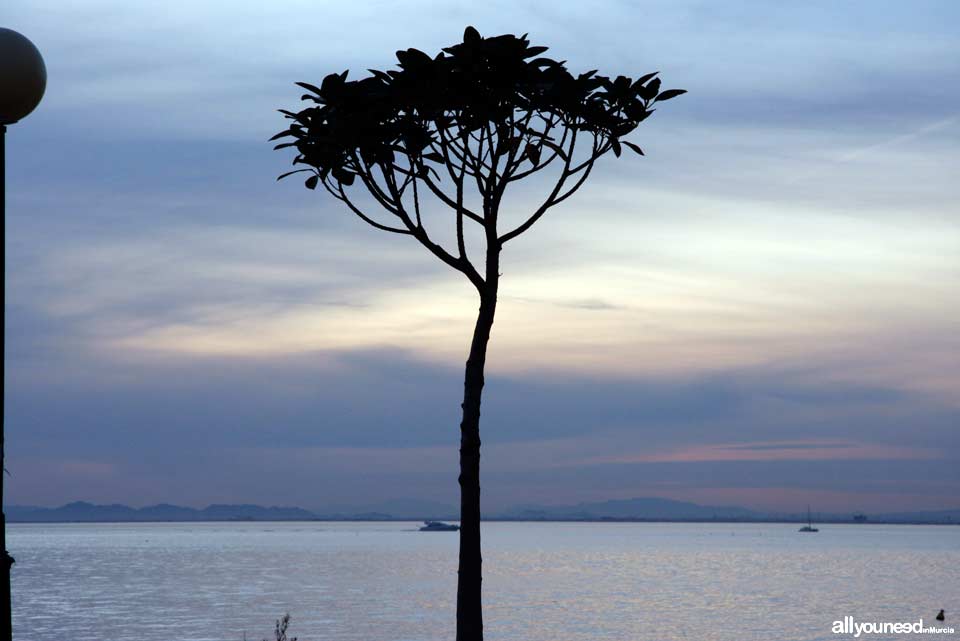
763 311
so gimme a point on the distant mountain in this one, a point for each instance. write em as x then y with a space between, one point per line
646 508
396 509
167 512
255 513
937 517
930 516
635 509
82 512
78 511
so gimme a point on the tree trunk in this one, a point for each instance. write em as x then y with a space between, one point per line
469 615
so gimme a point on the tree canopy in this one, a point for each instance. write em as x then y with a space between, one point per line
487 110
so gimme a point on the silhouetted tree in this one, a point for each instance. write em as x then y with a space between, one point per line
483 113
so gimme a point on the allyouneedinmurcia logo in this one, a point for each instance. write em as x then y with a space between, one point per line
856 628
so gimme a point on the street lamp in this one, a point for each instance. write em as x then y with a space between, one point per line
23 78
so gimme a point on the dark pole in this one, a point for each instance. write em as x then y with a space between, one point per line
23 79
6 621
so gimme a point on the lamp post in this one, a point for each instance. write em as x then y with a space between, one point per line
23 78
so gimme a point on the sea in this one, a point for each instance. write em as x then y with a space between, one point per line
387 581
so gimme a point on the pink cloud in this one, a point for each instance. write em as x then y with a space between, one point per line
775 451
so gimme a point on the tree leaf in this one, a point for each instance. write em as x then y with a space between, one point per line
670 93
556 148
643 79
306 85
290 173
311 182
533 153
650 91
615 145
634 147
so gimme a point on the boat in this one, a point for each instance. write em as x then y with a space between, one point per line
809 526
438 526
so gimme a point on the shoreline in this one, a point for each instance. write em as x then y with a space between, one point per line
487 520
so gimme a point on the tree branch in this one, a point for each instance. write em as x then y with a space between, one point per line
460 263
450 202
471 270
341 195
556 148
549 202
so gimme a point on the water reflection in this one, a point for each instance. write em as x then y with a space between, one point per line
543 581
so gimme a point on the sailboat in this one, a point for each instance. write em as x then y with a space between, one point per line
809 526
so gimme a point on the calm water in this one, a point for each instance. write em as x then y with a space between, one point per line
543 581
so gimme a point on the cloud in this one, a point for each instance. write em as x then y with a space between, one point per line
775 281
326 417
817 451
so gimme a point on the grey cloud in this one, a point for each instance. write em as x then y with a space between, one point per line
936 480
124 411
791 446
143 190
